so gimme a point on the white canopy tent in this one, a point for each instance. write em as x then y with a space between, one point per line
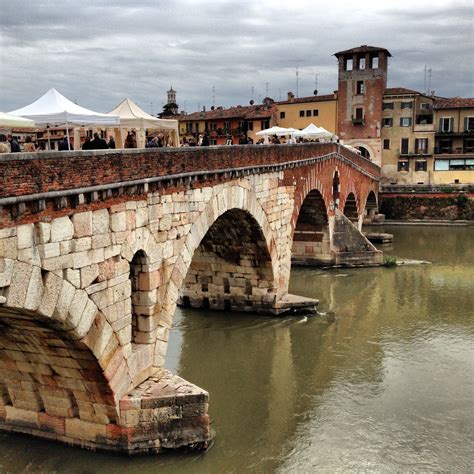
12 121
53 109
278 131
314 132
133 117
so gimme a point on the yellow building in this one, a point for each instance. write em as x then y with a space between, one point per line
454 141
300 112
407 135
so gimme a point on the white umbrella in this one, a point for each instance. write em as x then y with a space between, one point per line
12 121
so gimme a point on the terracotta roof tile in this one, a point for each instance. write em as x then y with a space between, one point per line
244 112
455 103
311 98
399 91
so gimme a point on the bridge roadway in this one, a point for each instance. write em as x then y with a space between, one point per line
97 248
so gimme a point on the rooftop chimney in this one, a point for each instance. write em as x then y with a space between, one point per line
291 96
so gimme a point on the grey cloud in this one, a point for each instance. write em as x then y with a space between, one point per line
99 53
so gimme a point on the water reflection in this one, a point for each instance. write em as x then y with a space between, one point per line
388 387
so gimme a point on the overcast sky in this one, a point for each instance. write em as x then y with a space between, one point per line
98 52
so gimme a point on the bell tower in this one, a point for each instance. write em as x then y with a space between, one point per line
362 80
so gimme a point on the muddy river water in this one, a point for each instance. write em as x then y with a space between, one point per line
387 386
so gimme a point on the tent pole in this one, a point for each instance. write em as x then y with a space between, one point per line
67 135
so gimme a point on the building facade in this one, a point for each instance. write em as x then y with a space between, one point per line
301 112
454 141
231 124
407 137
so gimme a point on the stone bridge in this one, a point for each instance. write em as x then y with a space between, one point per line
98 248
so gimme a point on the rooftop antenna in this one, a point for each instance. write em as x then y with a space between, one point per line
429 80
316 81
151 108
184 106
279 92
266 88
213 96
424 82
251 92
297 83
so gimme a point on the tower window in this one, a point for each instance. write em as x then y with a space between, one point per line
349 65
360 87
375 62
362 63
315 112
386 144
282 115
301 113
308 113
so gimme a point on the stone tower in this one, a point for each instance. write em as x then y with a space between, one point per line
171 96
362 80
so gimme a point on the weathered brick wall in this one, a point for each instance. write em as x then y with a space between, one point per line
43 172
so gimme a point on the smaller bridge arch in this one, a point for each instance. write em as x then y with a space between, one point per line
311 238
350 209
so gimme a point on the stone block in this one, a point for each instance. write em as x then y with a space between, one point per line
20 417
73 276
118 222
61 229
82 222
6 271
82 259
52 289
100 222
25 236
77 307
84 430
57 263
49 250
101 240
89 274
35 290
87 318
19 285
64 301
8 248
82 244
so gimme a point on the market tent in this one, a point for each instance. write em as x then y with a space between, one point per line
313 131
12 121
53 109
133 117
279 131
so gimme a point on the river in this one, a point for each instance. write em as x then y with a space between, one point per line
388 386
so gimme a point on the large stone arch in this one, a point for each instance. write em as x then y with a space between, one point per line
226 199
60 359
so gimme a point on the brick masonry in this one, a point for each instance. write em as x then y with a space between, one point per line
90 279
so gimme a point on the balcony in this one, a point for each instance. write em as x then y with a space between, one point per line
424 127
452 133
358 121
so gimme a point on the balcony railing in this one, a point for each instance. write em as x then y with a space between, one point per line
358 121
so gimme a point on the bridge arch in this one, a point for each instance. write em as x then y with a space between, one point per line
311 237
59 356
350 208
228 202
